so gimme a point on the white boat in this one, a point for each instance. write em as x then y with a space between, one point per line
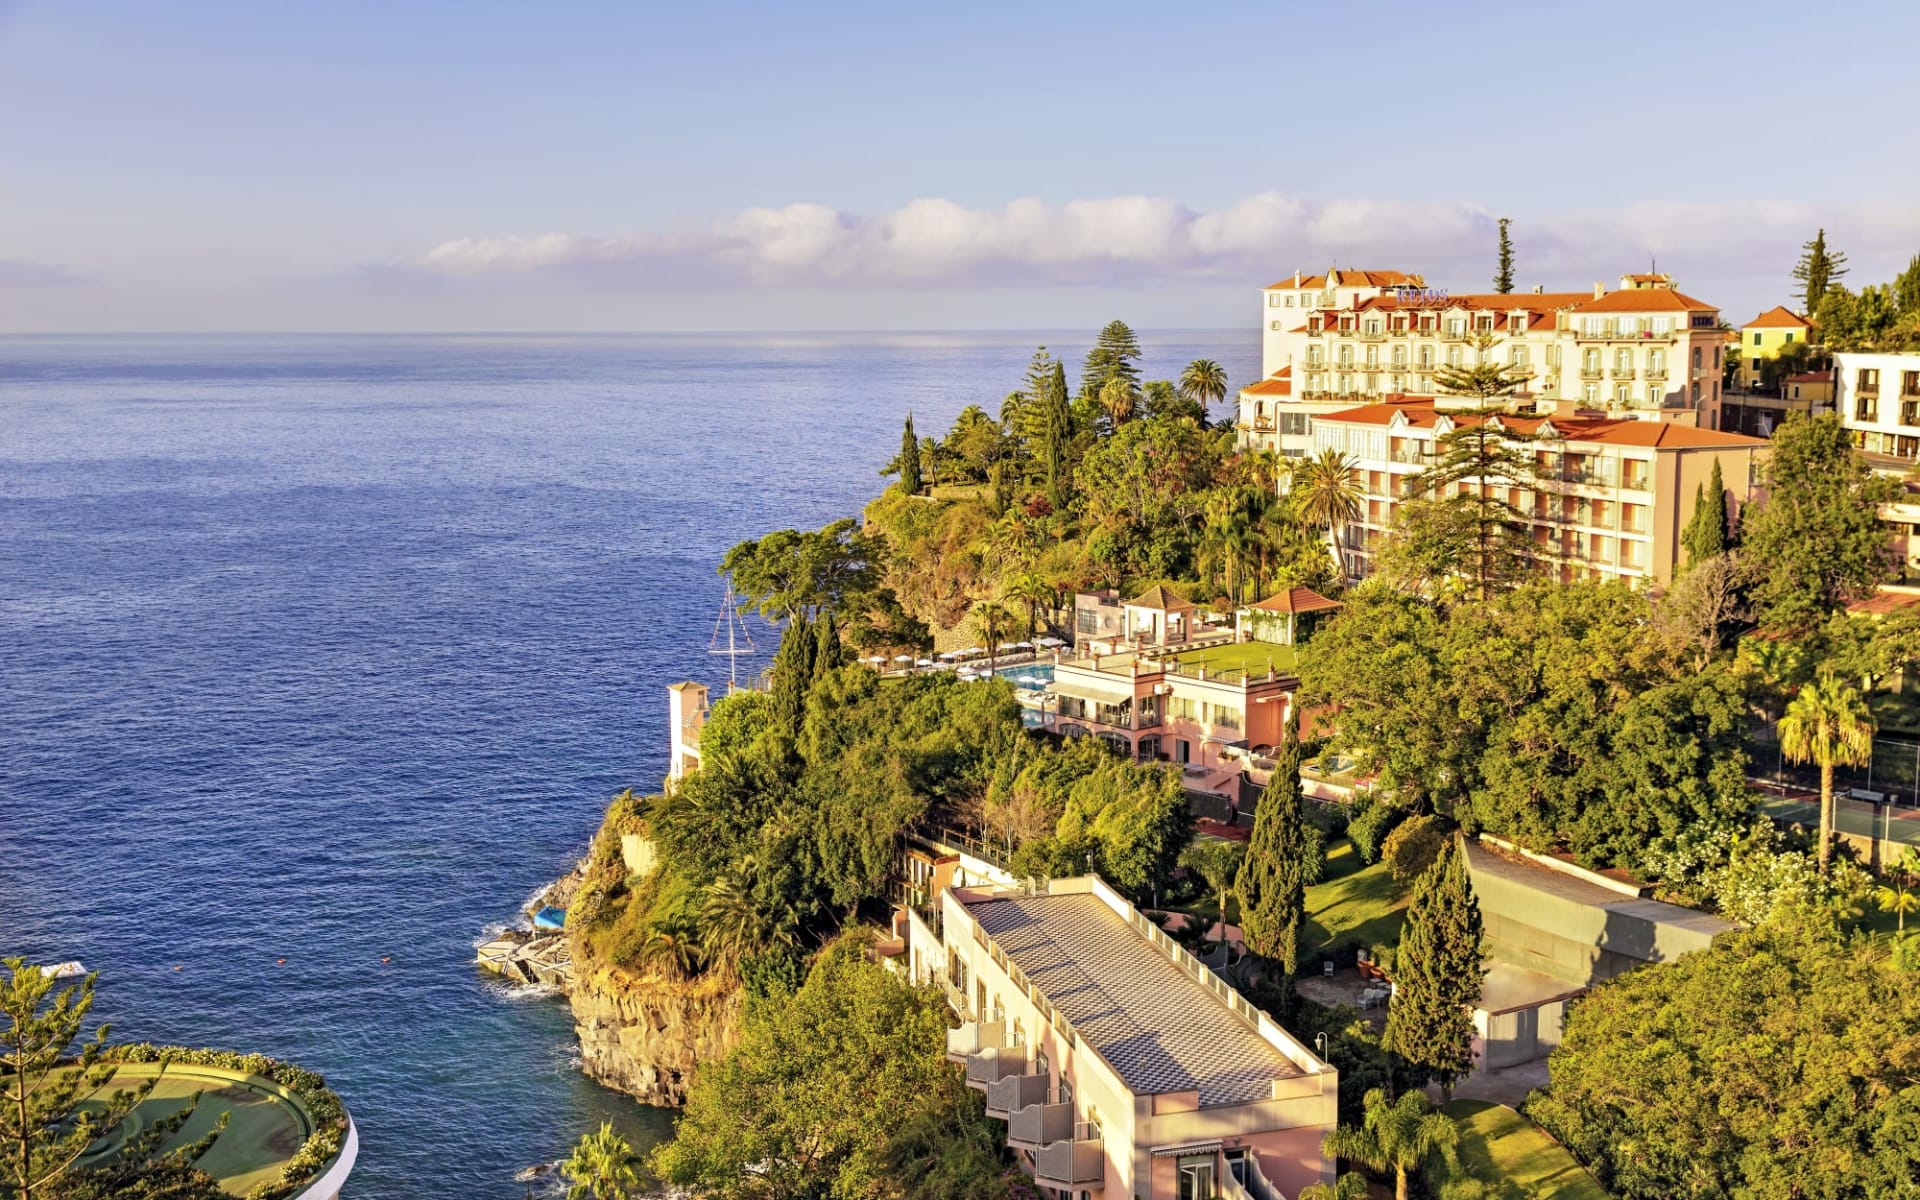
65 970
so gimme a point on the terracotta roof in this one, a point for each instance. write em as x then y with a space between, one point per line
1812 377
1500 302
1269 387
1884 601
1355 278
1778 317
1160 598
1295 600
1582 427
1637 300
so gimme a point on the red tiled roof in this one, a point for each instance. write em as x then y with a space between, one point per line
1812 377
1883 602
1350 277
1502 302
1779 317
1583 427
1269 387
1638 300
1295 600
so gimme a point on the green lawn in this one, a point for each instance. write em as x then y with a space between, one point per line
1354 901
1511 1155
1241 656
264 1130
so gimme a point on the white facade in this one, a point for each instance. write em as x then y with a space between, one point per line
1878 398
1285 305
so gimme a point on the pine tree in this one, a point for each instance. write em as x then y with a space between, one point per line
1705 536
1490 457
1906 288
1503 276
1113 357
1273 876
909 460
1438 970
1817 270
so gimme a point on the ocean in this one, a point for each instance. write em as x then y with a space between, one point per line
331 650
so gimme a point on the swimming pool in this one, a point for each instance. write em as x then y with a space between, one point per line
1027 675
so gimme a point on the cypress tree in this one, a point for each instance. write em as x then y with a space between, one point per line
828 653
793 675
1503 276
1438 970
1056 436
1706 533
909 460
1273 876
1818 269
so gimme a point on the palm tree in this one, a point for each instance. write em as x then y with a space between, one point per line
1827 723
1330 495
602 1167
1119 400
1204 381
1396 1136
1218 862
1031 590
1897 895
992 623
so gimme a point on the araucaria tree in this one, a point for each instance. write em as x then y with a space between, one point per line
909 460
1503 274
1438 971
1487 454
1113 357
1817 542
1818 269
1273 877
52 1107
1827 724
1705 536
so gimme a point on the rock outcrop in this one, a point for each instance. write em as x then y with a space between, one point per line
642 1034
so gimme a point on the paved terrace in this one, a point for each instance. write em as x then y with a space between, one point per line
1154 1024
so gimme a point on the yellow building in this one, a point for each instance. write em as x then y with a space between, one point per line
1761 339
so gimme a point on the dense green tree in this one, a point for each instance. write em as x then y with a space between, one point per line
1119 402
1780 1062
1397 1137
1870 650
1705 536
1817 541
811 1099
909 460
1438 970
790 573
793 673
1164 402
1135 820
1414 845
1503 273
603 1166
1115 357
1056 438
1475 463
1204 382
1216 861
1329 497
1273 878
1827 724
1818 269
1906 287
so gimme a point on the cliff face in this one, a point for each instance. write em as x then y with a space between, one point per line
643 1034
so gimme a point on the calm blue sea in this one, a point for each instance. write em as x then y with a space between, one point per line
329 649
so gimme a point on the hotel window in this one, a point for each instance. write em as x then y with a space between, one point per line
1653 395
1289 301
1273 301
1662 325
1518 322
1373 356
1346 356
1623 361
1456 325
1399 356
1696 358
1426 358
1590 393
1622 395
1656 360
1453 356
1517 354
1629 327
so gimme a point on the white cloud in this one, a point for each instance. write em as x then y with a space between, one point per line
1143 239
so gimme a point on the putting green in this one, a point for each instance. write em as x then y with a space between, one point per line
266 1124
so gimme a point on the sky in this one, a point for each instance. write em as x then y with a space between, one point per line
414 165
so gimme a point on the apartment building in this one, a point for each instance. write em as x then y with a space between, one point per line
1878 396
1762 338
1646 350
1614 492
1123 1066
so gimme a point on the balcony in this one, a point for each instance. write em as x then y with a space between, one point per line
973 1036
991 1064
1372 335
1411 458
1636 482
1012 1093
1624 372
1039 1125
1591 372
1868 413
1459 335
1070 1162
1656 373
1910 413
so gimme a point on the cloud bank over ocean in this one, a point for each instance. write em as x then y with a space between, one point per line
1132 240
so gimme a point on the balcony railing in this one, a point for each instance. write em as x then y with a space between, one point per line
1636 482
1372 335
1910 413
1014 1092
1591 372
1656 373
1456 335
1409 457
1070 1162
974 1036
1039 1125
1866 412
990 1065
1623 372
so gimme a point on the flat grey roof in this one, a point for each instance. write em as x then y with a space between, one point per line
1159 1028
1546 880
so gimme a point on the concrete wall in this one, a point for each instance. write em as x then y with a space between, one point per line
1522 1035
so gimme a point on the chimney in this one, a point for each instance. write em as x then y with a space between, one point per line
1296 277
1599 290
1539 289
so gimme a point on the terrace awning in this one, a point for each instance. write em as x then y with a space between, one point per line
1068 685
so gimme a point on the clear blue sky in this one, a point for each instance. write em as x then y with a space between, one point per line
415 165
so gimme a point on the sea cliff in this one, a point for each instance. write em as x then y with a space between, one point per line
642 1034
